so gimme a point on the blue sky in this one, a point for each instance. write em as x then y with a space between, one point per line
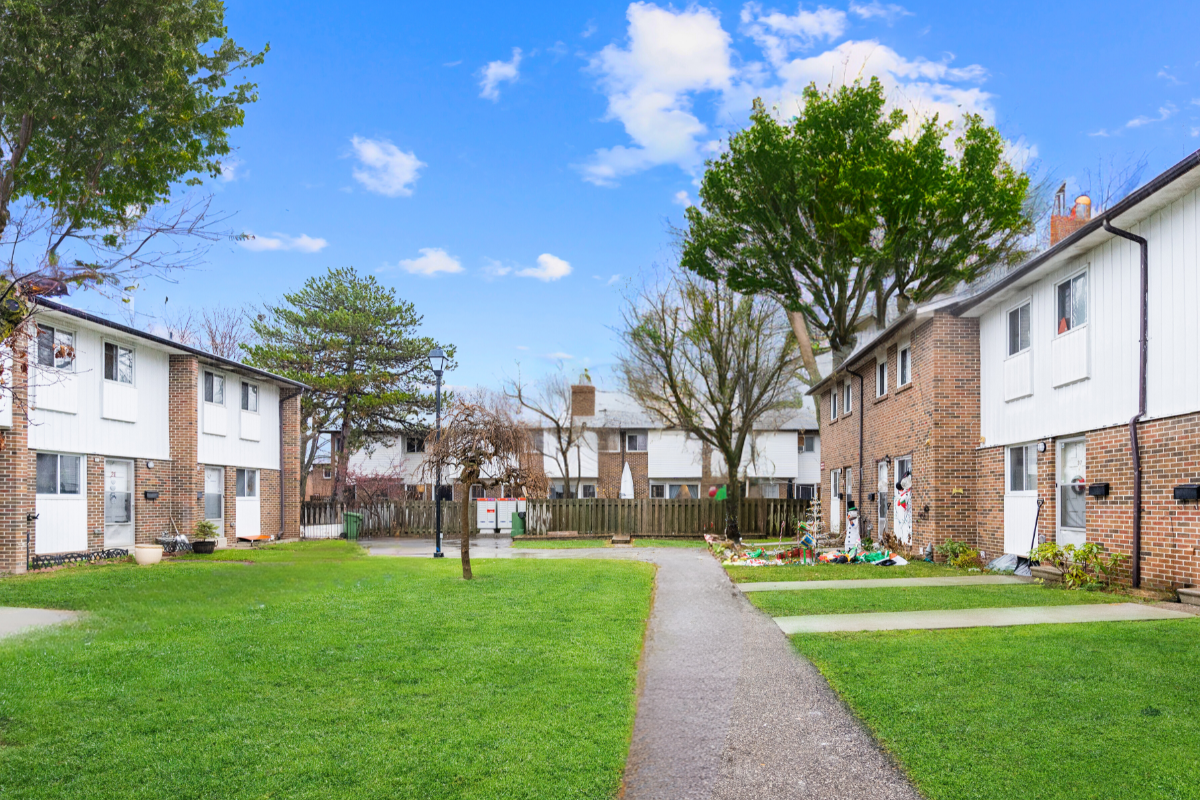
510 167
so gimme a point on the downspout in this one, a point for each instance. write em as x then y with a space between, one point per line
282 504
1133 423
862 418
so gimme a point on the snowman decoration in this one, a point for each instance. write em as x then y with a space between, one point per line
852 537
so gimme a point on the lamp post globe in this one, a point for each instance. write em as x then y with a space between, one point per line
437 362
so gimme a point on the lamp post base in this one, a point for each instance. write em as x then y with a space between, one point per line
439 555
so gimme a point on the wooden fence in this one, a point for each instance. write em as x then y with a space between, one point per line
645 517
651 517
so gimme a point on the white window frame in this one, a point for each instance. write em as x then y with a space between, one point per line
644 438
1029 449
327 474
58 457
37 348
883 498
665 488
240 487
104 345
809 439
413 444
1087 309
587 491
833 404
881 377
848 396
904 364
224 386
1028 301
257 396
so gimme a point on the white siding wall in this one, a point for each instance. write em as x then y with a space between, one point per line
231 449
383 460
776 455
672 454
1108 396
86 430
808 470
584 462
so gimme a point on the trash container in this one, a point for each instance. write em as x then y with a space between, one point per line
351 522
518 524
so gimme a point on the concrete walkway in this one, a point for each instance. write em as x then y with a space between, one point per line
877 583
974 618
727 709
19 620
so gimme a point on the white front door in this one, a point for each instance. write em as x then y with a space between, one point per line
1072 492
118 504
247 521
835 504
1020 499
61 504
214 497
902 502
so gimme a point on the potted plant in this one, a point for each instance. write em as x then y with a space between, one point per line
147 554
205 534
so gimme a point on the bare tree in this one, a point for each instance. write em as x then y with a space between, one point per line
711 362
548 401
484 442
221 330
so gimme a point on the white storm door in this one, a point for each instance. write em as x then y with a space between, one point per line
118 504
902 502
835 504
1072 492
247 521
61 504
214 497
1020 499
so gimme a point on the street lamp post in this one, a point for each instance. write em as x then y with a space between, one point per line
437 362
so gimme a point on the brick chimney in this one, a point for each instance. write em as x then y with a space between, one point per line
1062 222
583 400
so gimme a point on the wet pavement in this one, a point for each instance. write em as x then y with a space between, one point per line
19 620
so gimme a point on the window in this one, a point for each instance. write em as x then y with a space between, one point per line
477 491
882 496
249 397
55 348
849 478
537 440
247 483
1022 468
847 397
118 363
415 444
588 491
57 474
327 474
804 492
1018 330
214 388
881 378
635 442
675 491
904 366
1072 303
833 403
810 444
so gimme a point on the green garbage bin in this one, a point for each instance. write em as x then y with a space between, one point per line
351 522
518 524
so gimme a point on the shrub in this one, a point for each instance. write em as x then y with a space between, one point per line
205 529
967 559
1081 567
952 549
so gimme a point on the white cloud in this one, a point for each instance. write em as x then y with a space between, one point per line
229 170
491 76
1164 114
281 241
613 279
1195 131
875 10
431 261
522 347
589 30
558 356
778 34
649 82
384 168
682 198
495 269
1168 77
549 268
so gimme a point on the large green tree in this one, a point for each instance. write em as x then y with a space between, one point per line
843 208
356 346
106 108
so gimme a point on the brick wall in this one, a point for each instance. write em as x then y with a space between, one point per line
95 501
152 518
187 476
289 412
610 467
583 400
17 472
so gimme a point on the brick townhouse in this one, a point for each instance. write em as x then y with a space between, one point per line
1046 387
110 436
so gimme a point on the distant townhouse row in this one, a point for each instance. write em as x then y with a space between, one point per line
112 436
781 461
1059 402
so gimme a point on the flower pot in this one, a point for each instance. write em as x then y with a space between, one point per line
147 554
204 547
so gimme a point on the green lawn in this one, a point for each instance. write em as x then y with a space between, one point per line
560 544
836 572
310 674
1053 712
921 598
638 542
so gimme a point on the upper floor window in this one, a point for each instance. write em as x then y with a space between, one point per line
249 397
635 442
1072 303
414 444
55 348
904 365
118 363
833 404
809 445
1018 330
847 397
881 378
214 388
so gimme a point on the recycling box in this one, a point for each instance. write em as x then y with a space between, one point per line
494 515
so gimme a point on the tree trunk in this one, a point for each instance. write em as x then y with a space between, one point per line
733 505
800 328
465 528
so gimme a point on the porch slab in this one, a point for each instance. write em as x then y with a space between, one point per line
877 583
975 618
19 620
